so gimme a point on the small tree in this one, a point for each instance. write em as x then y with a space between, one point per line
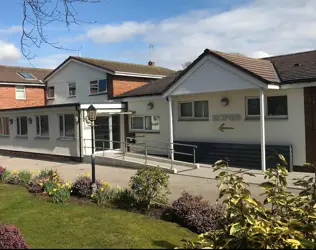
150 184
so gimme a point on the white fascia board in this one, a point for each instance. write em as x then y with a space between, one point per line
272 86
23 84
142 98
82 63
121 73
298 85
108 105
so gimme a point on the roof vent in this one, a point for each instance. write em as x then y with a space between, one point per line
296 65
150 63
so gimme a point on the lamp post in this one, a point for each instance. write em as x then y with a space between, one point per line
92 116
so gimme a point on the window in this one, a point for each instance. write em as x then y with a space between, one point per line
194 109
4 125
42 126
72 89
98 86
20 93
21 125
277 105
67 125
26 76
253 106
145 123
50 92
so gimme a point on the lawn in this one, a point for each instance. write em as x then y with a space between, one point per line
48 225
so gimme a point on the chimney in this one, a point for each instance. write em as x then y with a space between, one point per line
150 63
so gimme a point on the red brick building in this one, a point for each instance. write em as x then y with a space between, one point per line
22 87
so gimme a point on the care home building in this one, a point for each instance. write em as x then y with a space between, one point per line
233 106
61 127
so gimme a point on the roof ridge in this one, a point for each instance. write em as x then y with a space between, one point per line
138 64
290 54
22 67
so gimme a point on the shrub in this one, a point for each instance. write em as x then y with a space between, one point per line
36 185
124 198
196 214
289 220
13 178
82 186
103 194
61 193
22 177
4 173
50 174
150 184
11 238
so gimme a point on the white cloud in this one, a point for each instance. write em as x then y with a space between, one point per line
48 62
258 29
11 30
8 52
117 32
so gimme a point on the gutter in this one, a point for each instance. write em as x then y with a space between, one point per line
80 130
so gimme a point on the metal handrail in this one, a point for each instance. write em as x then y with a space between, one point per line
144 145
174 143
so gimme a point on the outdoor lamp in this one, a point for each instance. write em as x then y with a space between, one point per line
92 113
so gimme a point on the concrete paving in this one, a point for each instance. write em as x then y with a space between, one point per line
198 181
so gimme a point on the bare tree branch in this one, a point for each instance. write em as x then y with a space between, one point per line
38 14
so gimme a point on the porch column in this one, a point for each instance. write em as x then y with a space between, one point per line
263 133
170 127
110 132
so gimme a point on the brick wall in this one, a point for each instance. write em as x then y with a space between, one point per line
122 84
35 96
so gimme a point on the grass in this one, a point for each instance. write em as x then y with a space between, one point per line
48 225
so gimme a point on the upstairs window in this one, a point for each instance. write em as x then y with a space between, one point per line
26 75
20 93
72 89
50 92
21 125
194 110
98 86
42 128
4 125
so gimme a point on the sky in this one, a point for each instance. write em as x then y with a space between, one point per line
180 30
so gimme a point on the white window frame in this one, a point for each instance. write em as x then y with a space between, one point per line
17 90
72 83
248 98
50 97
40 128
193 117
98 86
144 124
18 120
63 135
266 105
2 126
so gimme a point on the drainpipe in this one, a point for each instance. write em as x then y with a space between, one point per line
263 132
80 129
170 127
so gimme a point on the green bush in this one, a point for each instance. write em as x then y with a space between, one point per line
22 177
103 194
4 174
61 193
150 184
285 220
124 198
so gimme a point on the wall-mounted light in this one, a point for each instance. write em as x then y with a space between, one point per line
224 101
11 121
30 120
76 119
150 105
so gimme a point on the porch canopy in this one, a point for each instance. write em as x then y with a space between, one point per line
211 72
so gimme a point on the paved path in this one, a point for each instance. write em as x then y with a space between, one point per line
120 176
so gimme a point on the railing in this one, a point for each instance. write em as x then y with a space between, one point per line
126 146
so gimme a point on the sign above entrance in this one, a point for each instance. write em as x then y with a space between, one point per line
226 117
